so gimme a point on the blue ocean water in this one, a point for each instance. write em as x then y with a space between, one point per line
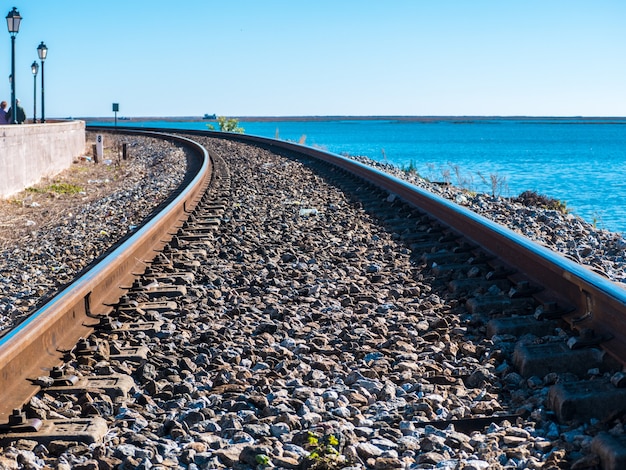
581 161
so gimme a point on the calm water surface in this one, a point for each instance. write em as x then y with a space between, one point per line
577 160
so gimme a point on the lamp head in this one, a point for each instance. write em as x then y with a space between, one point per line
42 51
13 21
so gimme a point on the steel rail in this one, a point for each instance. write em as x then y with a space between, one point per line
36 345
598 305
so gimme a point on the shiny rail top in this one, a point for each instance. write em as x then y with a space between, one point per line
37 344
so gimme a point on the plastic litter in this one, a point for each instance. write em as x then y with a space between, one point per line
307 212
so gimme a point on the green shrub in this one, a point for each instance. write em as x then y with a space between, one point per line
324 454
534 199
227 125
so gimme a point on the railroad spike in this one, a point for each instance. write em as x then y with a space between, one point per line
619 380
62 379
551 311
523 289
499 272
587 338
18 423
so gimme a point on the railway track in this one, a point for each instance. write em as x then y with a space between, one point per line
507 288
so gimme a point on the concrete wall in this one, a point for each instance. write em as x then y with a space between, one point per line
28 152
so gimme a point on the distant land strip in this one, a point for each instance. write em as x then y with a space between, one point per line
459 119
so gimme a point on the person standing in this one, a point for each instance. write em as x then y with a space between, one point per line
20 115
4 117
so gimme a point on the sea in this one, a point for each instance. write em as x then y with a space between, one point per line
579 161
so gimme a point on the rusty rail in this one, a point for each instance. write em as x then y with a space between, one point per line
596 303
36 345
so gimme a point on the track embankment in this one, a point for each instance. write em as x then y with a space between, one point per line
305 318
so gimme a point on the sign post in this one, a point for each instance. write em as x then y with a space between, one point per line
116 108
99 148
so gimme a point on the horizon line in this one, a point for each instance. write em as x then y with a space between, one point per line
351 116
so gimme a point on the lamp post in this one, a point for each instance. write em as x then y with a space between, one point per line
42 51
13 24
34 67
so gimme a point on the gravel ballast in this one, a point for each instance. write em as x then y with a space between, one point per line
306 340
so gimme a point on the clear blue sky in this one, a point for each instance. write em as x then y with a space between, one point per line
322 57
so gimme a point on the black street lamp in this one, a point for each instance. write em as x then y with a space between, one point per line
13 24
42 51
34 67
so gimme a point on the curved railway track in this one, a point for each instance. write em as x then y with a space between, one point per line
34 344
508 285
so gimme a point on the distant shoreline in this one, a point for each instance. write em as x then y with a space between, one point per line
600 119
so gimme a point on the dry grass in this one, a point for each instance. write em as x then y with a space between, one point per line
50 202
